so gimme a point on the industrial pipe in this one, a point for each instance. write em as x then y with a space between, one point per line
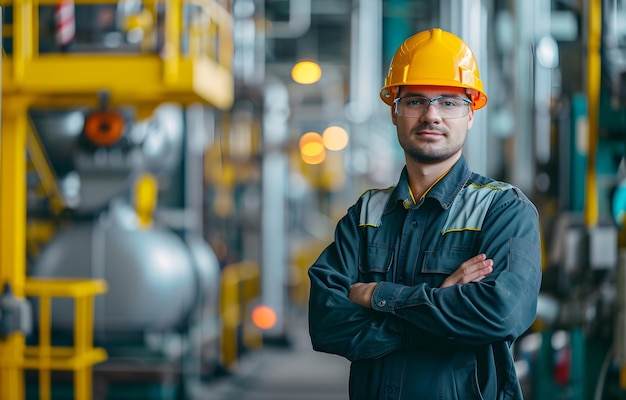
593 104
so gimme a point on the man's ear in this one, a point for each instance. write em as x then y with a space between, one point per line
394 117
470 120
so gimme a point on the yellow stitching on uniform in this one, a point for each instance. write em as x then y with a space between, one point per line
469 209
412 197
460 230
488 185
431 186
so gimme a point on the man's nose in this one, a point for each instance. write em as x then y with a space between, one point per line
431 112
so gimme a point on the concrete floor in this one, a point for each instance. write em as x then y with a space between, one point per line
282 373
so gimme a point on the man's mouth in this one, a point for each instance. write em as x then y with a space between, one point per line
428 133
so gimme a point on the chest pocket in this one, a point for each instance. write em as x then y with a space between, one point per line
460 232
378 251
376 263
440 263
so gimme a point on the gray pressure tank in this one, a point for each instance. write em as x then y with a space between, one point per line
150 274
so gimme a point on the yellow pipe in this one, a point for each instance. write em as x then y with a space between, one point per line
145 199
591 212
240 288
230 315
250 276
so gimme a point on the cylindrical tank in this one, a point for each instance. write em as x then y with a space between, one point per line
208 272
150 274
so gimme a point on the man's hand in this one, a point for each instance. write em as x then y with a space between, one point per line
472 270
361 293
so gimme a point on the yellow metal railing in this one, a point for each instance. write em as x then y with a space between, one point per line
82 356
239 293
198 72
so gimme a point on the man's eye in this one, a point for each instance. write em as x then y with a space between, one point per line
415 102
450 102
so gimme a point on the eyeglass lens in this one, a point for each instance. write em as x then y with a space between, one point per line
447 106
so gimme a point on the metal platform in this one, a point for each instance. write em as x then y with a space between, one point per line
294 372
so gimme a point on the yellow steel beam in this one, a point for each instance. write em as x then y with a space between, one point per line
13 235
68 79
139 78
13 195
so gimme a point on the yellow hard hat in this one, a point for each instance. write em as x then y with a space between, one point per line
434 58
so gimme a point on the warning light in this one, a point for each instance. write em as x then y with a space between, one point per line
263 317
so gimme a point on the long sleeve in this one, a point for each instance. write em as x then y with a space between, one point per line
336 324
502 306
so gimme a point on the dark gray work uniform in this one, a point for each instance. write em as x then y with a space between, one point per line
419 341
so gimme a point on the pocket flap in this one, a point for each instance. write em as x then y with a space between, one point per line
444 261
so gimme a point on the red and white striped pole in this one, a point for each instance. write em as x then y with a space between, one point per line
65 25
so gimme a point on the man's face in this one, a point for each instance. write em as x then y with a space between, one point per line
430 138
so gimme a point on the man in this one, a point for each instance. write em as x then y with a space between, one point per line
428 283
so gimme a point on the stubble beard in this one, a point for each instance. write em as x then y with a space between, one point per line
428 153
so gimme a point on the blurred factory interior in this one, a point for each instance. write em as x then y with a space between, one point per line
170 168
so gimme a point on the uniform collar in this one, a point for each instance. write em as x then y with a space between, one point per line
443 191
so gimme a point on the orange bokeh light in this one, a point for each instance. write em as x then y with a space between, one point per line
312 150
264 317
335 138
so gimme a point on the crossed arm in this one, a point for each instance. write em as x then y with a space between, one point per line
498 305
472 270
